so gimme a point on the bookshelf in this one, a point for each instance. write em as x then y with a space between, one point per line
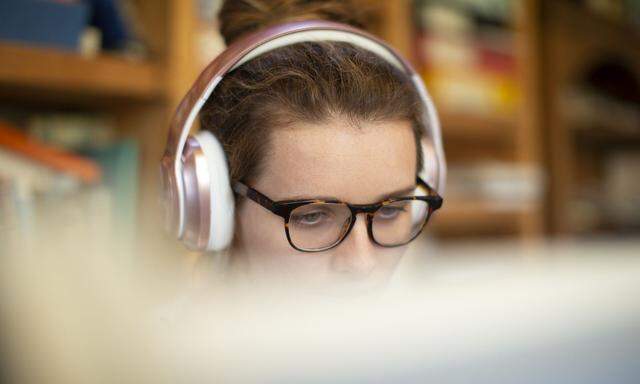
467 126
512 138
576 42
142 95
480 219
138 95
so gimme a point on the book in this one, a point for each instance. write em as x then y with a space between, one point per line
506 185
72 131
46 23
107 16
14 140
467 61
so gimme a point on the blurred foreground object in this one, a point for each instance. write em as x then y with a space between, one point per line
475 313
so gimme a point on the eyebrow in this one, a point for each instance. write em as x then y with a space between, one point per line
397 193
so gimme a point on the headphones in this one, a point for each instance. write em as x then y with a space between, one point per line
198 200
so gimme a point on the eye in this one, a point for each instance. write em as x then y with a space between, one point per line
311 218
389 212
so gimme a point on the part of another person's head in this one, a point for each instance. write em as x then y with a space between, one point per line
321 120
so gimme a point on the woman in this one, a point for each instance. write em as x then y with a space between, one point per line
322 141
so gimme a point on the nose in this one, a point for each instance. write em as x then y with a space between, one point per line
356 254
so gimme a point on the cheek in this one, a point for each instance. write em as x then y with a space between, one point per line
390 258
260 231
264 246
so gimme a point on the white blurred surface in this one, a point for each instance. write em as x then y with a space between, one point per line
489 312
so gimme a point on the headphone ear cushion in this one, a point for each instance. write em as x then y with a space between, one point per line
222 203
431 169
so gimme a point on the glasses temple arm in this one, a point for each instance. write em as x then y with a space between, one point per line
419 181
250 193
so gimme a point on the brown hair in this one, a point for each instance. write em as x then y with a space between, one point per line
308 82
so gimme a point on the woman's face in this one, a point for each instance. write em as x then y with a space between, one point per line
359 165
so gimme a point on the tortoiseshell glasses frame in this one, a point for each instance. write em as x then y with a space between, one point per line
284 209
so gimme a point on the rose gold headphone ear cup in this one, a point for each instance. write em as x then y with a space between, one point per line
197 203
169 197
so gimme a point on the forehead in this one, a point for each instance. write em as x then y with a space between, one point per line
337 159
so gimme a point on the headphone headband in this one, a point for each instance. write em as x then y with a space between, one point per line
257 44
254 45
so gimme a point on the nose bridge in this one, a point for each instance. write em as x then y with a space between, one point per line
356 254
363 208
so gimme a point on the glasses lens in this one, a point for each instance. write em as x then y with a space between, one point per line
318 226
399 222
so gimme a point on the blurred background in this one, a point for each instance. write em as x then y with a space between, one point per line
539 102
540 108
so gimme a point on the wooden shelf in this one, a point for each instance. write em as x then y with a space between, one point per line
480 217
469 126
603 137
43 72
618 29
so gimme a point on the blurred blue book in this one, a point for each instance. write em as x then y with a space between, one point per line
108 17
42 22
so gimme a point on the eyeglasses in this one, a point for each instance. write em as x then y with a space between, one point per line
318 225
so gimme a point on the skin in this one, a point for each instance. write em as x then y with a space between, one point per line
357 164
